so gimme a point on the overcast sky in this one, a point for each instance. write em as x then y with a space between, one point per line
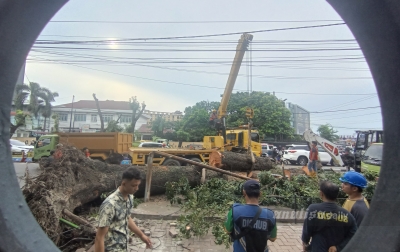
310 66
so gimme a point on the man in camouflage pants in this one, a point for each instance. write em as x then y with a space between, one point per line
115 216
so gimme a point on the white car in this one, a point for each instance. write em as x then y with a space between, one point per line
299 154
150 145
18 146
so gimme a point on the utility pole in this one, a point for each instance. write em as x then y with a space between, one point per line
72 107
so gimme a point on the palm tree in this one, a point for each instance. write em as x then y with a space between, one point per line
39 99
48 98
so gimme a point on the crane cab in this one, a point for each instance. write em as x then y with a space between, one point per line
237 140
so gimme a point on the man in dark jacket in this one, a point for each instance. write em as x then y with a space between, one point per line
329 226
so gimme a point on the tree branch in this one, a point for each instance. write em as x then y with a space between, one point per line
100 114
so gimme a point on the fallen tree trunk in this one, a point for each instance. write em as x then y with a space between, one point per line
242 162
74 180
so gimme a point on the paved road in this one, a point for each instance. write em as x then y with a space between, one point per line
20 171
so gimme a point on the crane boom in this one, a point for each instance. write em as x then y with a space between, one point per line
237 61
327 145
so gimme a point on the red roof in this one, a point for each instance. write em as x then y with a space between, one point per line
144 128
89 104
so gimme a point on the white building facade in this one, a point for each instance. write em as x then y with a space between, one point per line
82 116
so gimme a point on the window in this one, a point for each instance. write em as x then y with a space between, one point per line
125 119
255 137
147 137
374 152
107 118
43 142
151 145
93 118
231 136
80 117
63 117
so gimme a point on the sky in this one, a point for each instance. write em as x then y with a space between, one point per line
172 54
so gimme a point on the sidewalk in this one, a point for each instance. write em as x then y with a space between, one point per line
156 217
288 239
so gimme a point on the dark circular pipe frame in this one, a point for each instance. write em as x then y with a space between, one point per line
374 23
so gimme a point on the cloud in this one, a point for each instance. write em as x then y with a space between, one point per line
83 84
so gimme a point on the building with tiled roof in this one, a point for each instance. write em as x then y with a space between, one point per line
85 117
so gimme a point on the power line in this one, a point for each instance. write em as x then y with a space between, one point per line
124 41
238 33
322 94
353 101
27 77
159 67
345 117
331 111
170 82
191 22
342 127
255 76
198 50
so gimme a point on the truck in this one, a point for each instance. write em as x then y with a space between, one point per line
365 139
100 145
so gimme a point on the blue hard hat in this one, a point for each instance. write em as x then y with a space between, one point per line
354 178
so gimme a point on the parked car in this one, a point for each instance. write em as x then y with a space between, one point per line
298 154
372 158
18 146
267 150
150 145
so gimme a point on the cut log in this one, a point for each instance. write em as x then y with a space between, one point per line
242 162
74 180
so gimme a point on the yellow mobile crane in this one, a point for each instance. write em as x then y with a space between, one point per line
240 139
236 139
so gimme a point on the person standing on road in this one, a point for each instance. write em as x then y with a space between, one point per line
329 226
86 152
313 158
249 225
353 184
115 216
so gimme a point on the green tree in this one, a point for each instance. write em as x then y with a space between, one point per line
113 126
195 122
40 99
47 108
19 120
271 117
56 119
326 131
137 135
158 126
182 136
